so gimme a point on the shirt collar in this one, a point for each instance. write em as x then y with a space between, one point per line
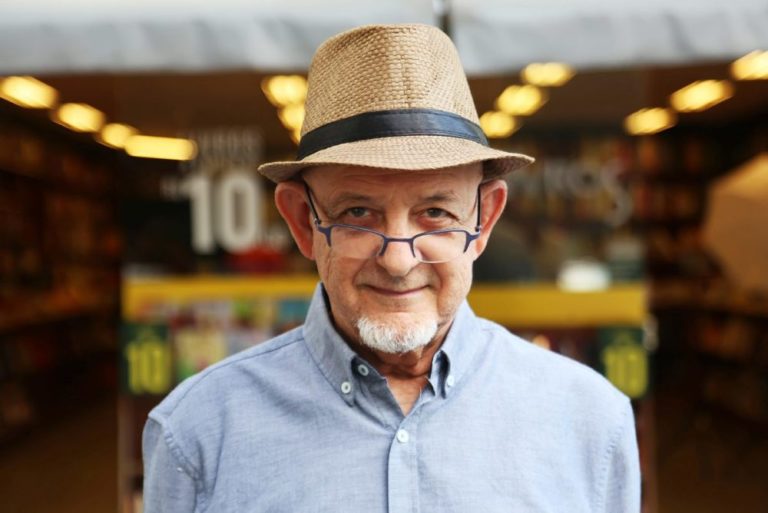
460 348
331 353
336 359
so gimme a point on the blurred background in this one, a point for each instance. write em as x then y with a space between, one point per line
138 245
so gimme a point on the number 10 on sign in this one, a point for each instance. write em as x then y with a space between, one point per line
226 210
147 358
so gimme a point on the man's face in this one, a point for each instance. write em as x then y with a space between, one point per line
394 291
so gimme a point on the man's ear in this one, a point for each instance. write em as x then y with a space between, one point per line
493 197
291 201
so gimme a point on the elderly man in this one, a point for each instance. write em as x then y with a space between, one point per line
393 396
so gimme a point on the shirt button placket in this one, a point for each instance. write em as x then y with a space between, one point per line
402 470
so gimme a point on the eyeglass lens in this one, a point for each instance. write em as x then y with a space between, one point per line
428 248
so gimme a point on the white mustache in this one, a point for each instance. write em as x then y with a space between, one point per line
400 284
397 289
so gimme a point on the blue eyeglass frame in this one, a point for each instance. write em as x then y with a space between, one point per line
326 230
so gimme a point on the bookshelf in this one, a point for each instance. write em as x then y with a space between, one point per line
59 271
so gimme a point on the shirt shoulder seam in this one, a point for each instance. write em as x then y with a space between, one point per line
164 420
182 460
614 442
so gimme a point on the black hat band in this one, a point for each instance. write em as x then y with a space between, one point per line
389 123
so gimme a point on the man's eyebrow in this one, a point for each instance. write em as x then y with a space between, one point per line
352 197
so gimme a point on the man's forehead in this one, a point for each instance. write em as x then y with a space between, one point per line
343 176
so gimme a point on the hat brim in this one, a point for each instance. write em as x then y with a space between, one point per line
407 153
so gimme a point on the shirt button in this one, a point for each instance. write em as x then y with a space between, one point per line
362 369
179 469
403 436
346 387
450 381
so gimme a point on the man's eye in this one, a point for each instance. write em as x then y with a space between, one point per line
356 212
436 213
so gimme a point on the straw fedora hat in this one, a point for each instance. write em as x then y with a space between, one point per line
391 96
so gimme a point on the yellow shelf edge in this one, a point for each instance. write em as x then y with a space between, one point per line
518 305
136 291
548 306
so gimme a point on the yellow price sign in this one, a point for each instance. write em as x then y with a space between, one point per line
625 362
148 360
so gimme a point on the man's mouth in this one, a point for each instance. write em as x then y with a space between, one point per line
396 292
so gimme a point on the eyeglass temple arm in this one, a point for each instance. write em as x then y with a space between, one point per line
479 226
312 204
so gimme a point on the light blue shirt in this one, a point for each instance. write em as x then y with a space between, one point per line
302 424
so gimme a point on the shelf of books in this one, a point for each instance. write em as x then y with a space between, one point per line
59 272
714 350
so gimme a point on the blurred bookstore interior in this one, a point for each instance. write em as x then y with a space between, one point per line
138 245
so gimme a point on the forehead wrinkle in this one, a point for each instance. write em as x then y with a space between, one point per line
442 196
373 175
336 199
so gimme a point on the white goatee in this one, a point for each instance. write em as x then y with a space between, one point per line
394 339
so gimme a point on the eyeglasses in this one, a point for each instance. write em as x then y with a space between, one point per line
432 247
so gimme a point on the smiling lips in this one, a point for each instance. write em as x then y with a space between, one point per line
395 292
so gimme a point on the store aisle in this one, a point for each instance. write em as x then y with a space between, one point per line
709 461
69 467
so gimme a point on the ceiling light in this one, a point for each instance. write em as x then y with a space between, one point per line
292 116
116 134
521 100
701 95
28 92
161 147
547 74
753 66
282 90
649 121
296 135
498 125
80 117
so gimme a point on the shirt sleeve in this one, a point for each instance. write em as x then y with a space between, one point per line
169 483
622 481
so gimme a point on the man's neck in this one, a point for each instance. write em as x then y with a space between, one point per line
407 373
412 364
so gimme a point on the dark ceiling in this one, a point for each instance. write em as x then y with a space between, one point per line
173 104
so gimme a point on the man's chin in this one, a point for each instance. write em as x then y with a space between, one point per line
396 333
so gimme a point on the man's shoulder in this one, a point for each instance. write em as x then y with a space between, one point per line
550 375
238 372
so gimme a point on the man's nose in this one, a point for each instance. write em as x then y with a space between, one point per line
397 260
